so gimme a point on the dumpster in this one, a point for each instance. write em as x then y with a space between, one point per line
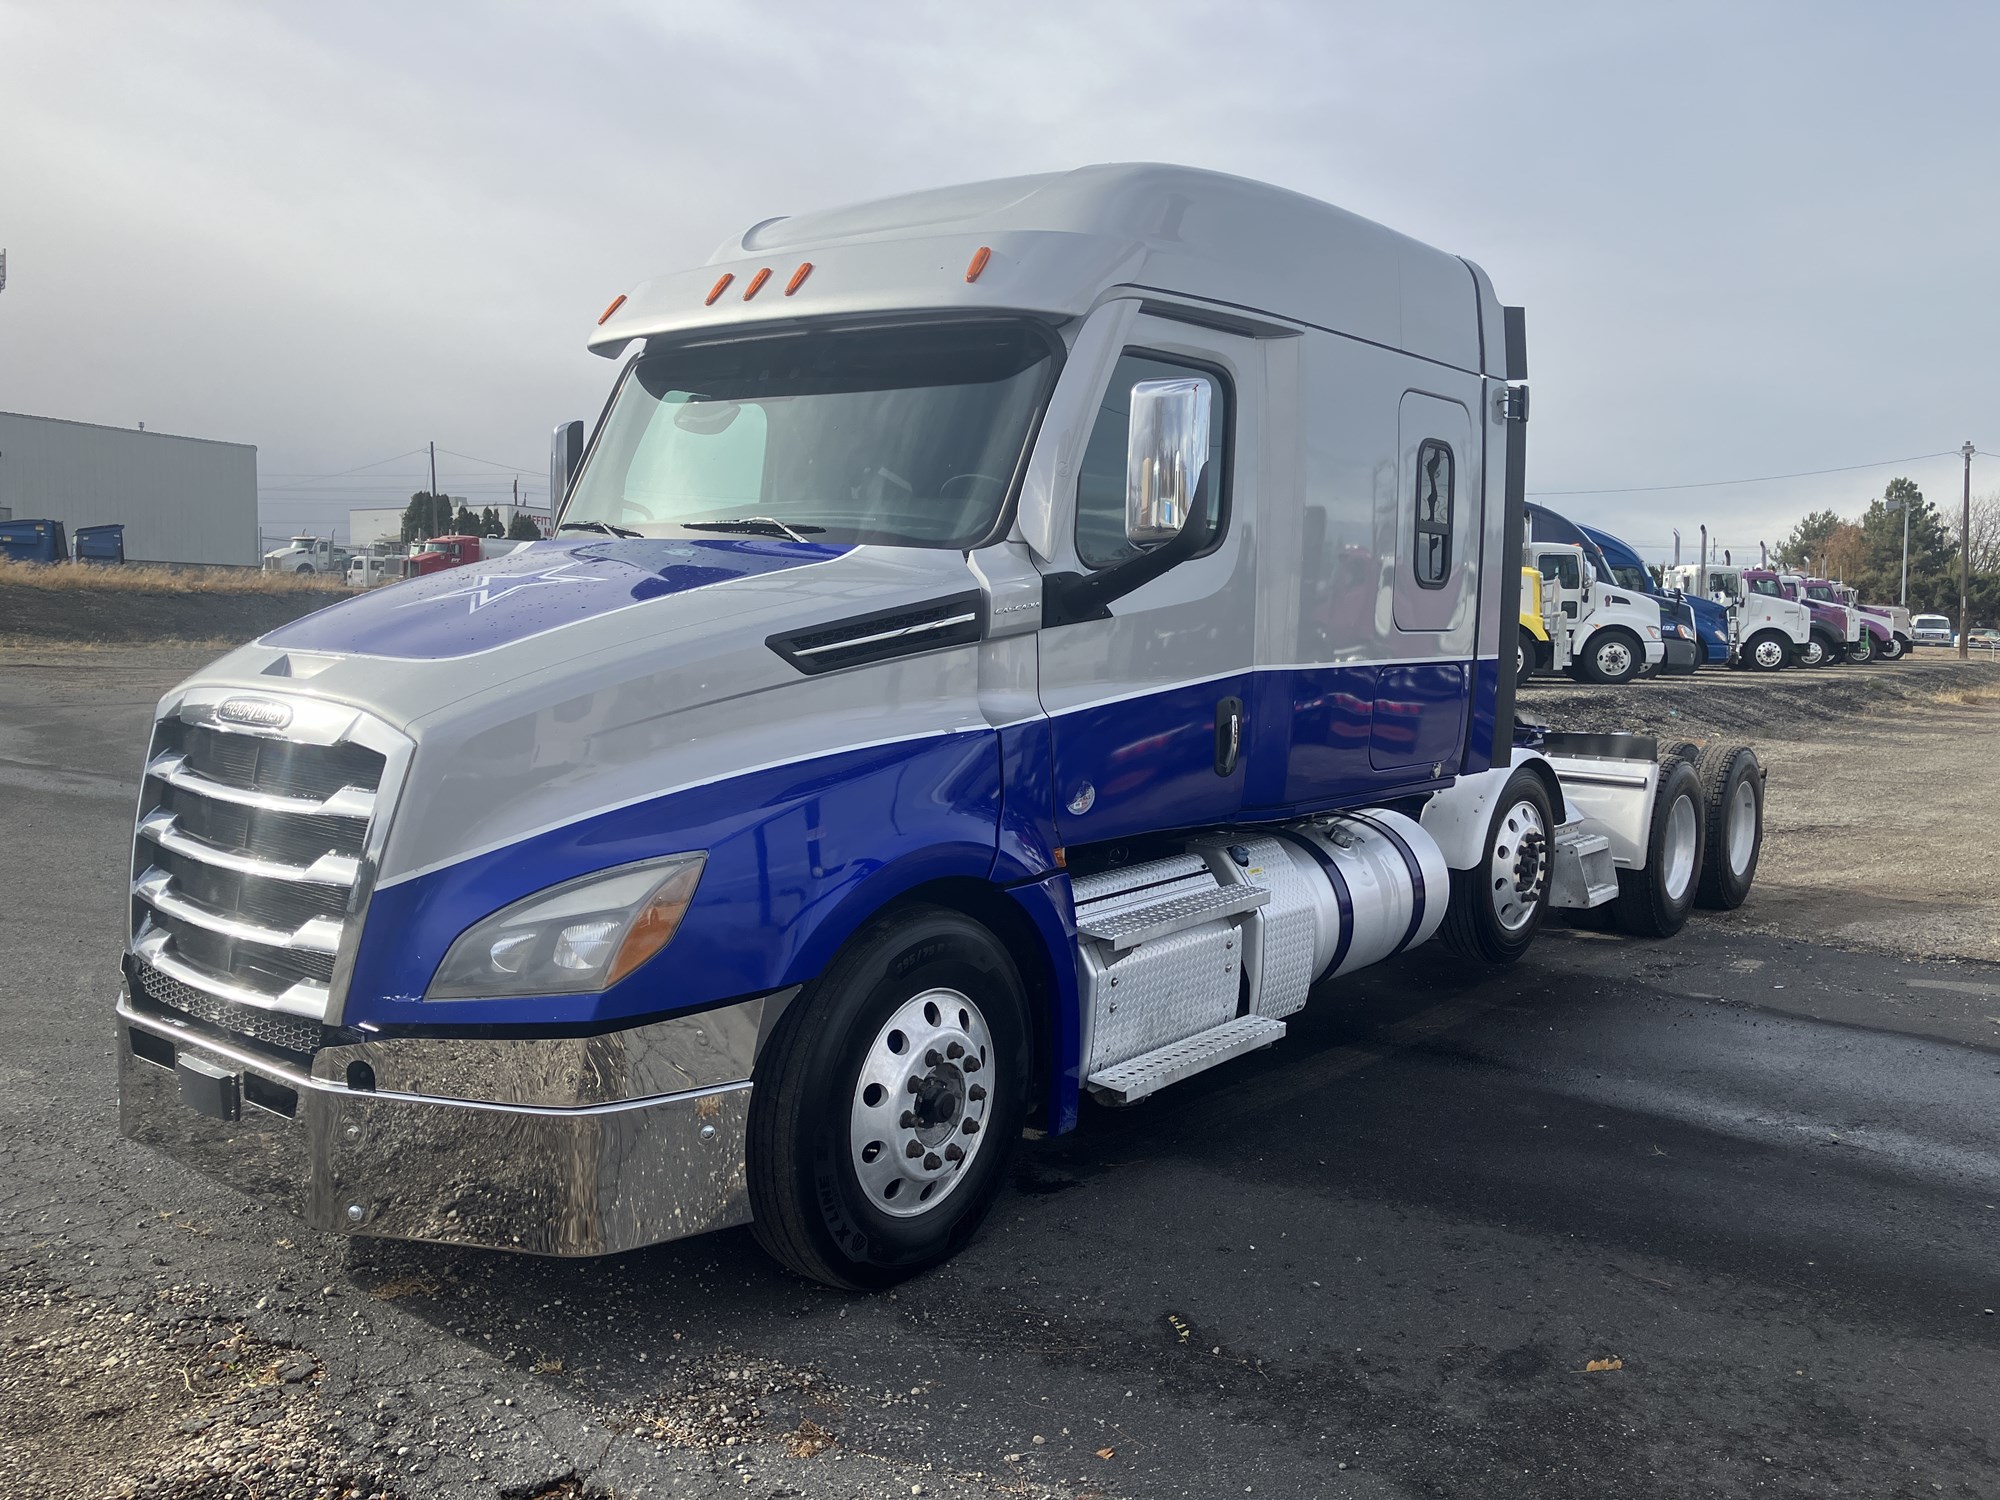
33 541
101 544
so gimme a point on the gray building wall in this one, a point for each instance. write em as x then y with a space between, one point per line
181 499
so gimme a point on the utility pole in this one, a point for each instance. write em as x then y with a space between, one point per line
1965 560
434 468
1904 507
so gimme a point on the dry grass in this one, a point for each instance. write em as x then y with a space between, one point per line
163 578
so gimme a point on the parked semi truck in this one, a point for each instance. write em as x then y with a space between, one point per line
1767 629
1679 648
1702 618
442 552
948 696
1611 636
1837 634
1868 636
308 554
1895 637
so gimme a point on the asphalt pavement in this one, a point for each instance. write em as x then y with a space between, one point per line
1713 1216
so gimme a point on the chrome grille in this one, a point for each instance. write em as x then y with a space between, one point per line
250 864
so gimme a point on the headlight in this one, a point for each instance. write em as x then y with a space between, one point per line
575 938
1653 631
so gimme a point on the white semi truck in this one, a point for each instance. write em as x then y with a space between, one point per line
1003 644
1768 629
308 554
1612 634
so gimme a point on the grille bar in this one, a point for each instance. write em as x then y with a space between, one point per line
349 802
316 935
303 999
165 992
163 828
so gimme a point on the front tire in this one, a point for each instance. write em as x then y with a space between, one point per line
1767 651
1895 648
888 1102
1498 906
1527 656
1614 656
1654 902
1862 651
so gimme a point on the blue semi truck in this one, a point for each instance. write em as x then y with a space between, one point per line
1711 620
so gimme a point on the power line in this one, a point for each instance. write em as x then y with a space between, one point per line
1759 479
494 463
355 470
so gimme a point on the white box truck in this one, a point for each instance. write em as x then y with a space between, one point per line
1001 644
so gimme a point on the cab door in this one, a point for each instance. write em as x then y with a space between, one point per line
1146 699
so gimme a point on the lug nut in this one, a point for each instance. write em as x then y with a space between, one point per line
931 1058
933 1162
916 1087
972 1127
914 1149
953 1153
954 1052
976 1092
909 1120
971 1063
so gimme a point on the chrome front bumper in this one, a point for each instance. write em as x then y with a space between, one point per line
566 1146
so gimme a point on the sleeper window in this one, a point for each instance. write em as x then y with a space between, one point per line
1100 488
1432 549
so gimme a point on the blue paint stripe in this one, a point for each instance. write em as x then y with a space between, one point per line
1341 895
1417 891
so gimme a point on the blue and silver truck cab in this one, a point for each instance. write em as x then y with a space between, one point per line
1001 644
1708 620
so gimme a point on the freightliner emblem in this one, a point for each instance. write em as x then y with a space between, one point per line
259 713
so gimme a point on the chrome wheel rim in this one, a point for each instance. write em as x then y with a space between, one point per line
1769 653
1677 851
1614 658
921 1103
1519 867
1812 653
1742 826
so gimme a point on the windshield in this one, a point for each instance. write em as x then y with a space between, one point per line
909 435
1820 591
1636 579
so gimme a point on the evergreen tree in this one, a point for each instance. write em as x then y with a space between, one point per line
522 529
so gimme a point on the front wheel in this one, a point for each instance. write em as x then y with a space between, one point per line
888 1101
1498 906
1767 651
1862 651
1895 648
1613 656
1527 656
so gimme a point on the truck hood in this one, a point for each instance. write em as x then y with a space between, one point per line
577 675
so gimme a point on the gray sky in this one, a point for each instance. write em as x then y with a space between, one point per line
1751 239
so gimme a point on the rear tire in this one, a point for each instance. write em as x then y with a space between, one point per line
1613 656
1498 906
835 1193
1767 651
1732 791
1654 902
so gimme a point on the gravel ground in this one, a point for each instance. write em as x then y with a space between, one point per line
1708 1216
1883 812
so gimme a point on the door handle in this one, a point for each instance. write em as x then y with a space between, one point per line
1228 735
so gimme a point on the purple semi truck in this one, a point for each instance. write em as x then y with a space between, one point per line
1837 633
1868 637
1891 622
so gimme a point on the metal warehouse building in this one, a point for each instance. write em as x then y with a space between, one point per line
181 499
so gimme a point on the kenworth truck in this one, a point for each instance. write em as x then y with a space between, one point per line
1867 636
1767 629
1705 620
1002 644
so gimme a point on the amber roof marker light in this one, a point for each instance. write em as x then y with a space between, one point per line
799 277
721 286
616 303
756 283
979 258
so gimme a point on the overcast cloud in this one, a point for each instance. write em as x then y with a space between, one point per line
1751 239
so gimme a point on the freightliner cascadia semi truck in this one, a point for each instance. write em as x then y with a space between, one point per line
1001 644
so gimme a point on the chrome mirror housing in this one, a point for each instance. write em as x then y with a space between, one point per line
1166 453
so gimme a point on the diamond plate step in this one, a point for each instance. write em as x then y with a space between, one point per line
1128 929
1582 874
1152 1071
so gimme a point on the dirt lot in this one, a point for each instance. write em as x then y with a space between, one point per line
1883 815
1655 1229
148 605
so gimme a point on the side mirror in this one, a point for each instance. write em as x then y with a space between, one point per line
1166 453
565 454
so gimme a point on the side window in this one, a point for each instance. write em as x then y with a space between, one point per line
1432 550
1100 487
1561 566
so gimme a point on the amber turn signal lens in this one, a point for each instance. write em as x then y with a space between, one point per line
798 278
979 259
658 920
718 289
756 283
616 303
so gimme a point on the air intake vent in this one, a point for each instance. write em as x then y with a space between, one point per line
886 634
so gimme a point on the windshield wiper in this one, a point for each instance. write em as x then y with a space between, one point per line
760 525
603 527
